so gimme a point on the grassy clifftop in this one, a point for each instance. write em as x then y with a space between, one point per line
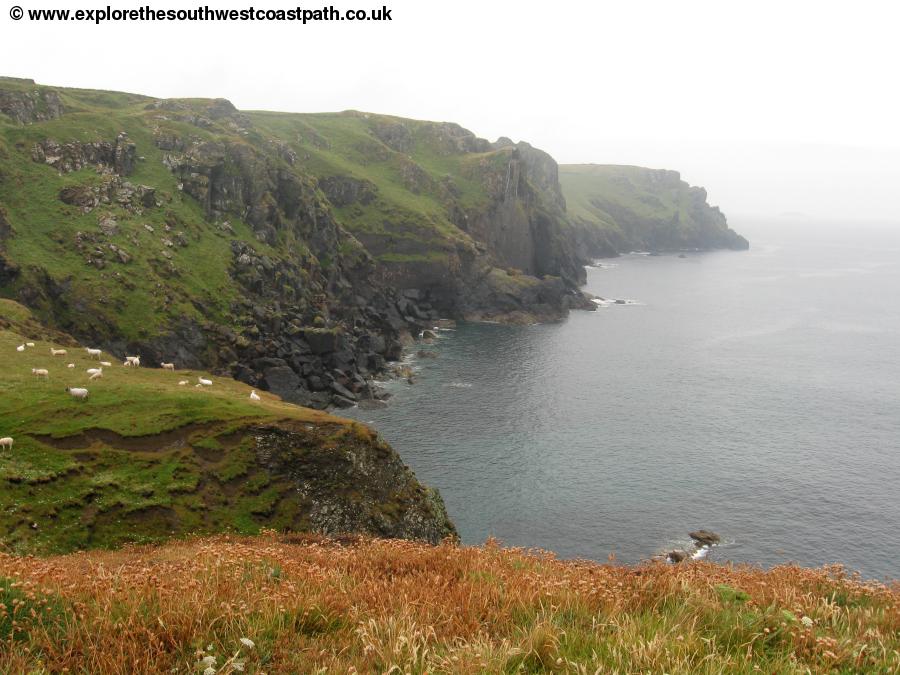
145 458
636 208
293 604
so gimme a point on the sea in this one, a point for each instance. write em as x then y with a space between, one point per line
755 394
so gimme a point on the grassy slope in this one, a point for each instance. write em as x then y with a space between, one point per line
197 460
409 213
315 606
45 227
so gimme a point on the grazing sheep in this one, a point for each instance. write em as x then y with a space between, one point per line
29 344
204 382
20 348
57 352
133 360
254 396
96 376
93 352
40 372
94 371
6 442
168 366
78 392
71 365
182 383
105 364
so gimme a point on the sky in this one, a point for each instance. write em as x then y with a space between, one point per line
774 107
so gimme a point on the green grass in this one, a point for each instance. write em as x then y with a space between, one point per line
141 459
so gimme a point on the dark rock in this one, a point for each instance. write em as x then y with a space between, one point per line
677 556
358 485
315 383
321 341
428 335
343 359
425 354
372 404
266 362
340 390
344 190
283 381
342 401
705 537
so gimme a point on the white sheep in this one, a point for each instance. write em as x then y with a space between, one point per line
78 392
57 352
96 376
93 352
168 366
133 360
29 344
20 348
182 383
105 364
6 442
94 371
71 365
204 382
254 396
40 372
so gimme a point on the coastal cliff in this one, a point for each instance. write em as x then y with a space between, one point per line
617 209
299 253
150 455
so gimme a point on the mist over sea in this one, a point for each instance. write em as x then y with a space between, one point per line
756 394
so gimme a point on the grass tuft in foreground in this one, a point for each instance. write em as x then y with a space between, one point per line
300 603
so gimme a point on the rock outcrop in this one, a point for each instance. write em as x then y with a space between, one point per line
28 106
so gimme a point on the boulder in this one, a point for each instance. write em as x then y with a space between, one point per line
342 391
283 381
677 556
321 341
705 537
342 401
372 404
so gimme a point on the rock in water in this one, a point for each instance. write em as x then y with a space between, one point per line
677 556
705 537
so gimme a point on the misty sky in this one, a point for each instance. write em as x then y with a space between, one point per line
773 106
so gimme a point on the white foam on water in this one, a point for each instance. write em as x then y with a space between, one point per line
459 385
700 553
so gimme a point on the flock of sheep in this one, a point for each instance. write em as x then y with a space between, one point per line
81 393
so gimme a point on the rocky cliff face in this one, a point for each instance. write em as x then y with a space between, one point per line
26 104
477 230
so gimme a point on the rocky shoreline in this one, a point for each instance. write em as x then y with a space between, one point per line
704 540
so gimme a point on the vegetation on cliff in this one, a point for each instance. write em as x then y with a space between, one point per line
301 604
631 208
188 230
145 458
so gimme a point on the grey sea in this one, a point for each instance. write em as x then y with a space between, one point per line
756 394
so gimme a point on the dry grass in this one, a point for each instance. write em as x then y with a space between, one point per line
314 605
